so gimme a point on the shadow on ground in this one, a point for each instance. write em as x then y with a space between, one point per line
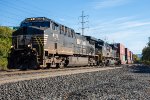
140 69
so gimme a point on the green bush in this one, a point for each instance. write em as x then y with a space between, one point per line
146 62
3 63
138 62
5 43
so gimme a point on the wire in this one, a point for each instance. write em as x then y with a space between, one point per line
15 7
35 10
42 10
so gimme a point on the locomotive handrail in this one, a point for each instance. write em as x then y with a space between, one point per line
38 45
41 41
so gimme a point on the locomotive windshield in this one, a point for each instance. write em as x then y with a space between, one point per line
38 24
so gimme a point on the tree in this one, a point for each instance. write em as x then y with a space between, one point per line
146 53
136 59
5 44
148 44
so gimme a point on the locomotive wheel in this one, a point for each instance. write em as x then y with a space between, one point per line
61 65
91 64
48 65
66 62
53 65
57 65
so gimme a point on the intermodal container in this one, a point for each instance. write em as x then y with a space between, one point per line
121 49
122 58
127 56
121 52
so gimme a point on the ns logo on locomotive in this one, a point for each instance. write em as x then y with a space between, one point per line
41 42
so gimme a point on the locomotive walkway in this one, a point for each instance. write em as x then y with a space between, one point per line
8 77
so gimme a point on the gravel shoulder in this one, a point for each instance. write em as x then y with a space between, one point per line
124 83
128 83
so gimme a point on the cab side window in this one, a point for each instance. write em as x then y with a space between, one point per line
55 26
72 33
66 30
62 30
69 32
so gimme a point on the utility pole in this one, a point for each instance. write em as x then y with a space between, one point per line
83 22
83 27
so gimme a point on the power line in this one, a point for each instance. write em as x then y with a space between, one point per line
9 12
44 11
11 17
37 8
48 12
18 16
22 9
34 8
8 21
16 8
13 6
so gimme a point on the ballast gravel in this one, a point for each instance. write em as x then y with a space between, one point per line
127 83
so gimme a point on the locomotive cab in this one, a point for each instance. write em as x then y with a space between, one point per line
28 44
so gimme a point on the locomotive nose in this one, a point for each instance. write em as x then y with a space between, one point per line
24 36
32 30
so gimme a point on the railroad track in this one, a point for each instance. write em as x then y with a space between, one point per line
20 72
15 76
12 72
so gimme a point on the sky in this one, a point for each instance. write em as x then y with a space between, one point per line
116 21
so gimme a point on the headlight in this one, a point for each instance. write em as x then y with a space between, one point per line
12 47
29 45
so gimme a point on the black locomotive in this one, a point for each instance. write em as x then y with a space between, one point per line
42 42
